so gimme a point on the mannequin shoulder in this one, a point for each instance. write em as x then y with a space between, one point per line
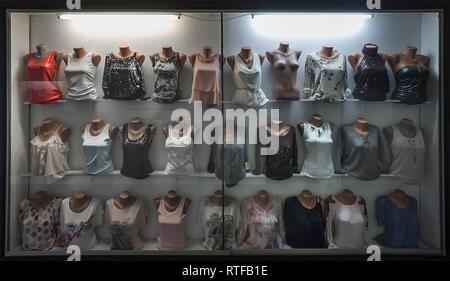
152 128
393 59
192 58
269 55
96 58
231 60
187 204
64 133
298 53
113 131
140 57
353 58
384 56
83 127
59 56
157 201
65 58
261 58
36 130
182 57
425 60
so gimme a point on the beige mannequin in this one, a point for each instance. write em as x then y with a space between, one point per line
40 200
361 125
166 53
262 198
218 198
136 128
355 59
328 52
79 202
126 52
399 198
406 127
283 129
166 129
346 197
42 51
124 200
97 125
172 200
307 199
80 52
206 54
409 56
246 55
49 126
316 120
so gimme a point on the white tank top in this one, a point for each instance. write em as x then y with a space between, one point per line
80 73
318 144
408 156
248 83
97 151
179 153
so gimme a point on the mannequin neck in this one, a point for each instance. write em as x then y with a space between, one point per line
171 198
42 50
246 53
79 52
410 52
207 51
263 197
284 47
327 51
136 124
399 194
167 51
125 199
370 50
97 123
316 120
125 51
48 124
361 124
347 196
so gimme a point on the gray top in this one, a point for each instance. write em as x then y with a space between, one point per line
80 73
235 155
364 157
166 83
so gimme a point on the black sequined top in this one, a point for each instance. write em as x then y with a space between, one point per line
371 77
123 78
135 154
411 84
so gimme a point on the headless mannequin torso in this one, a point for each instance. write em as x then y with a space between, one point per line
97 125
282 130
399 198
80 52
406 127
205 54
79 202
247 57
50 126
126 52
408 57
316 120
355 59
171 202
40 200
262 198
124 200
167 53
136 128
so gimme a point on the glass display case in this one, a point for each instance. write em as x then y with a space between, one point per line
110 115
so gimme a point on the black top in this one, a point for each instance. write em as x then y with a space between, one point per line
123 78
305 228
234 157
283 164
135 155
411 84
371 77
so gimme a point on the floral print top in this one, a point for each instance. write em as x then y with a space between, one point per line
123 78
39 227
326 78
261 228
79 228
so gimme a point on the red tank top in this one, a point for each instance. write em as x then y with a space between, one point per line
41 75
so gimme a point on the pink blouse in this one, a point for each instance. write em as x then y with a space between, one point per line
206 84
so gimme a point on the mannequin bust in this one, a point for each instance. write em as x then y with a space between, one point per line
79 202
283 129
165 129
124 200
167 53
346 197
97 125
219 199
355 59
328 52
49 126
316 120
360 125
42 51
409 56
399 198
40 200
262 198
307 199
80 52
405 126
136 128
206 54
126 52
172 200
246 55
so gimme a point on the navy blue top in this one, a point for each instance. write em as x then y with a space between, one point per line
401 224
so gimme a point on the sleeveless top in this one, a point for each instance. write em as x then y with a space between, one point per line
49 157
41 73
206 83
408 156
97 151
123 78
167 79
171 234
285 66
318 143
248 83
371 77
135 154
179 153
80 73
411 84
325 78
39 227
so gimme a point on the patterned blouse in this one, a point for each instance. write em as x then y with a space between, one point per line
167 77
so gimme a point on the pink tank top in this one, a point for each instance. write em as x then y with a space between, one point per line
171 227
206 84
408 156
